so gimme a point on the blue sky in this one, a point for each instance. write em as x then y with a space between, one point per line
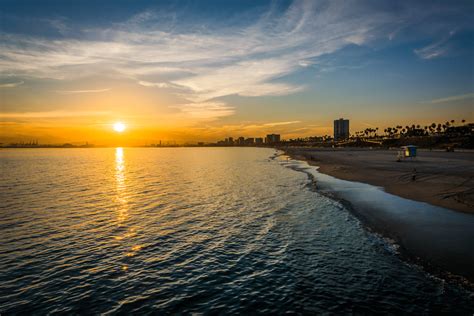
216 67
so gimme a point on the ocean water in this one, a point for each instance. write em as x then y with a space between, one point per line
192 230
441 236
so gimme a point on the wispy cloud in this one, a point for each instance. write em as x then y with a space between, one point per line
437 49
250 60
453 98
281 123
206 110
290 129
253 58
52 114
83 91
59 24
162 85
154 84
11 85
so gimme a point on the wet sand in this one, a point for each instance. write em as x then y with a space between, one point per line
443 179
439 238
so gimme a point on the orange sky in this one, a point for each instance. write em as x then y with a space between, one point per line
204 77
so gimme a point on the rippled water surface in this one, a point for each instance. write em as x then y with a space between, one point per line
191 230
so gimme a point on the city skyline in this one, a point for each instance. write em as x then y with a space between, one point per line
263 157
192 71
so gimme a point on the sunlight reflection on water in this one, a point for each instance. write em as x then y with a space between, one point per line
184 230
121 185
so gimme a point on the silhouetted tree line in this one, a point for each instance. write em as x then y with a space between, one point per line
433 135
449 128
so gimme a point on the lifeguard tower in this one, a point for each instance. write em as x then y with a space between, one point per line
406 152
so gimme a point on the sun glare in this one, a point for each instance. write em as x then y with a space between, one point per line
119 127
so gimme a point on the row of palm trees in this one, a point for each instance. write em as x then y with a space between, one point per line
447 128
311 139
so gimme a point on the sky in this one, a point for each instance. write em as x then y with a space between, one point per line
188 71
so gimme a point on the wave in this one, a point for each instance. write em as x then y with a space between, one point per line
436 237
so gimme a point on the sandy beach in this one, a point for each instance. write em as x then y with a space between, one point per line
440 239
439 178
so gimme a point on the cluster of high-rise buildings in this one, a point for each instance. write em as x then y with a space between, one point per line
341 132
250 141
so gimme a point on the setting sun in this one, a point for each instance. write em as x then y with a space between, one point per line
119 127
270 156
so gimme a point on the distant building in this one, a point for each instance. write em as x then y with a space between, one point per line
250 141
272 138
258 141
241 141
341 129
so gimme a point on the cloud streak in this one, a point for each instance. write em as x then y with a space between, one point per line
11 85
437 49
453 98
206 110
83 91
199 65
52 114
281 123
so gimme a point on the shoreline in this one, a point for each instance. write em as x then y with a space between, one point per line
436 238
441 179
